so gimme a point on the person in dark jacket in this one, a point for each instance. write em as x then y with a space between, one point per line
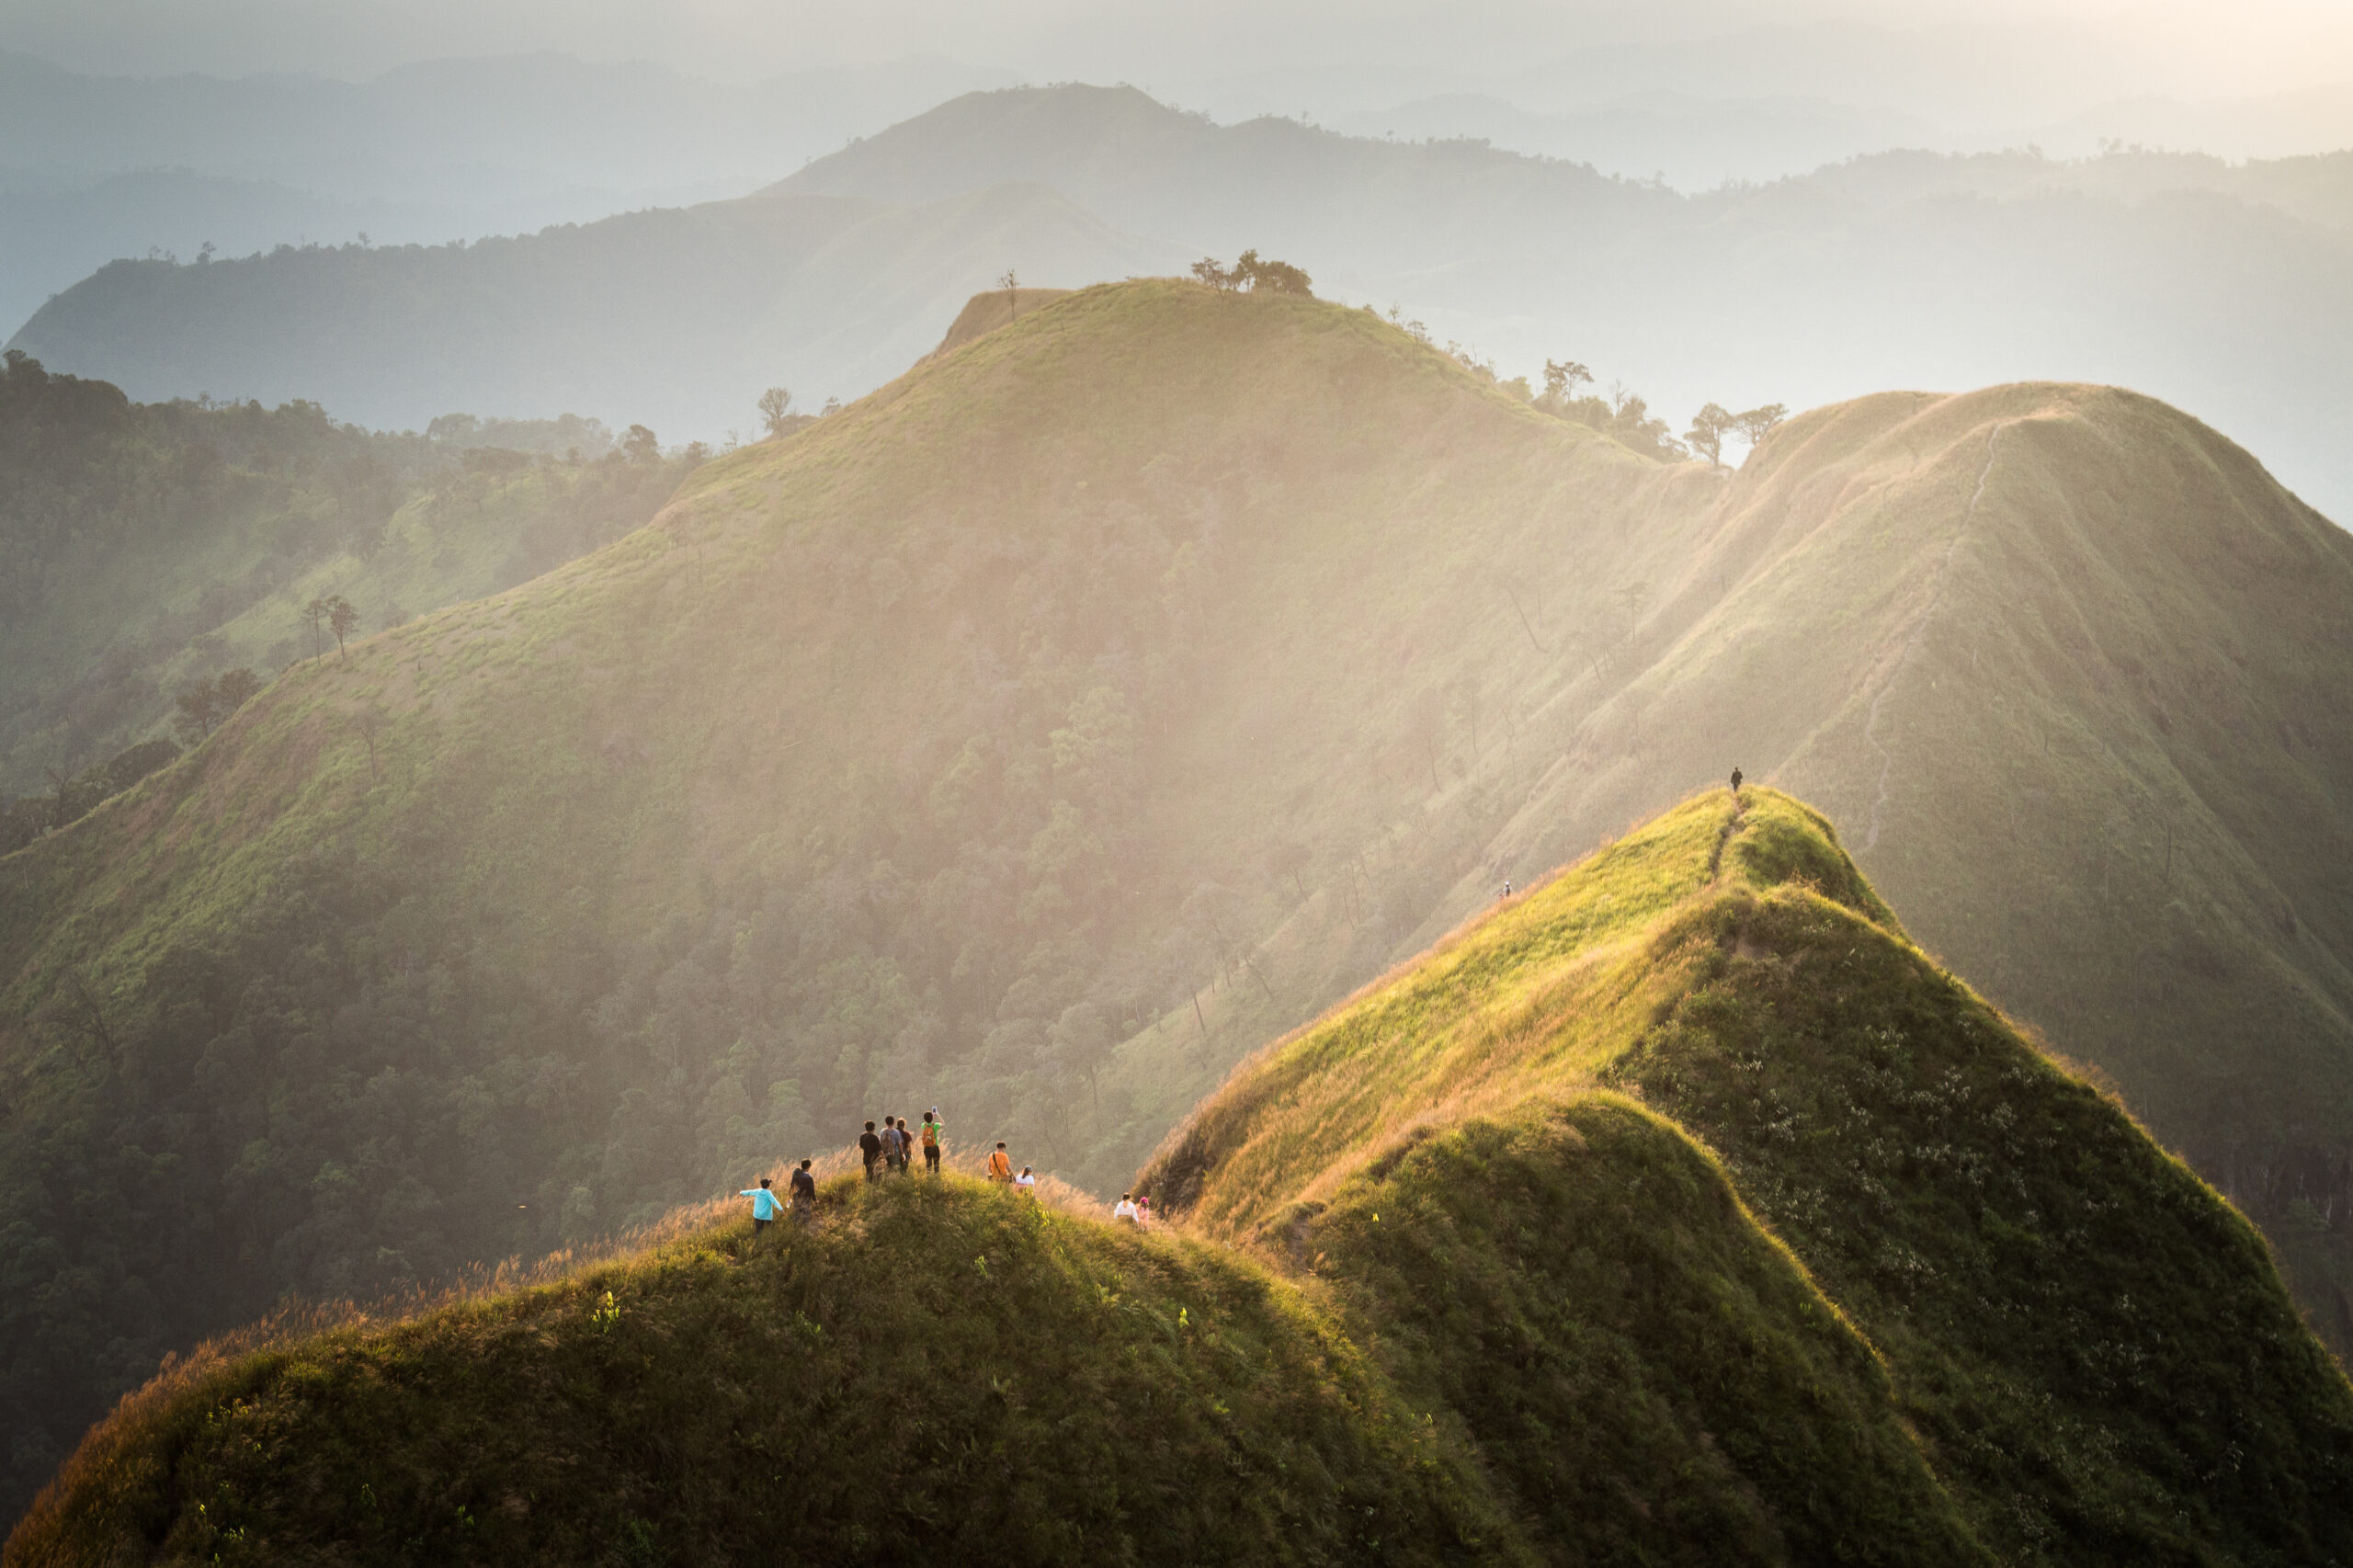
870 1147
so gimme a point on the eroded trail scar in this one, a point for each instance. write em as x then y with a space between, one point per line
1912 642
1723 836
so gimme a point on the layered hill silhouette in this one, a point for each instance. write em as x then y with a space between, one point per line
1679 1209
1899 269
1105 697
680 316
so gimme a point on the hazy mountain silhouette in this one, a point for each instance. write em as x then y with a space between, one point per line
679 317
2227 290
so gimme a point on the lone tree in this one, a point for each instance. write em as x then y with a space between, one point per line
1708 430
775 410
316 613
642 445
343 620
1012 286
1561 380
1759 423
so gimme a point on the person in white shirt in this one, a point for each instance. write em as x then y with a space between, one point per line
1025 1183
1127 1209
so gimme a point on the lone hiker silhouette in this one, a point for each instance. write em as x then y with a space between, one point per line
1735 781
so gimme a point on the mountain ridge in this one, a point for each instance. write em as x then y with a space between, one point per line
1101 699
1538 1321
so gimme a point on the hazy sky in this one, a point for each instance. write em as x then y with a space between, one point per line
2044 51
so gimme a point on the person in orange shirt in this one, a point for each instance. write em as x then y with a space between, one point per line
1000 1165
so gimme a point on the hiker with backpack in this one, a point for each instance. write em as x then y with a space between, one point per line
931 1136
805 1195
894 1145
1000 1163
763 1206
870 1149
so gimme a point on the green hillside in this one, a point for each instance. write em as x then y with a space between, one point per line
1107 695
1458 1284
146 546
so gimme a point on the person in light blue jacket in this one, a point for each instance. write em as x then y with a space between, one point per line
763 1199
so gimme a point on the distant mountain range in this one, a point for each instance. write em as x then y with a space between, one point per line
1043 734
2224 288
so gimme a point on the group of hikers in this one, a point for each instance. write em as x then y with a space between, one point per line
890 1150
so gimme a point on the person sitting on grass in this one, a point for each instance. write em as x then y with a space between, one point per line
763 1206
1127 1209
870 1148
804 1194
1000 1163
1025 1183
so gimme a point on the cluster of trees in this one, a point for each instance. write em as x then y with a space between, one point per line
203 704
1250 274
1626 416
183 519
1714 422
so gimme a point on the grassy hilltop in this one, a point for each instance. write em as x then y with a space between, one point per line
1109 694
1459 1279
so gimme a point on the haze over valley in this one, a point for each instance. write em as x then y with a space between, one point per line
1690 828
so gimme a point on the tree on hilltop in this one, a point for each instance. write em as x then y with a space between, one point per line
1012 286
1254 275
1758 423
316 612
1271 277
1209 270
775 410
642 445
1709 427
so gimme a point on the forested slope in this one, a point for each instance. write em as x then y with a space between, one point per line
1440 1299
1103 697
148 547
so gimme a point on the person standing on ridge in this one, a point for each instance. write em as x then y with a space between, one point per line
1000 1163
1025 1183
763 1206
1735 782
870 1148
930 1136
1127 1209
894 1146
804 1194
